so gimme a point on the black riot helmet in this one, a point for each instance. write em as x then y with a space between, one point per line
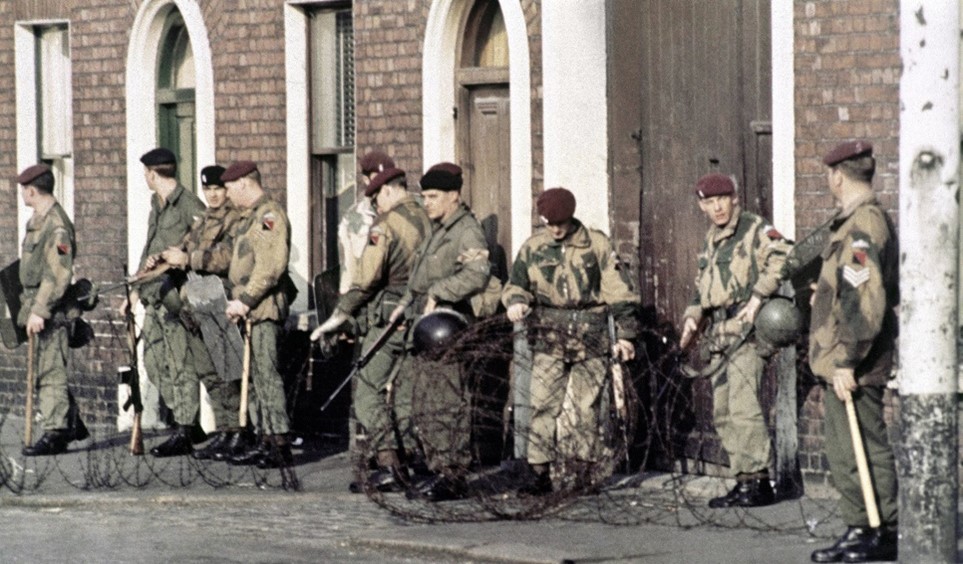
435 332
779 322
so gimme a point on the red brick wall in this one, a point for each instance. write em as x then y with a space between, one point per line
847 86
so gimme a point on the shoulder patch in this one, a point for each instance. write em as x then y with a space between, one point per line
268 221
772 232
63 248
860 247
374 235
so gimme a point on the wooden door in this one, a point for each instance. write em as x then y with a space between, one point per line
485 156
705 106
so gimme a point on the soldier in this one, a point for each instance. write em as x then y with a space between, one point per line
569 278
379 283
450 267
174 209
851 345
741 264
260 294
207 249
46 267
358 219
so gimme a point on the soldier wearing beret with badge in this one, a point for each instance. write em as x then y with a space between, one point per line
740 265
46 269
174 209
450 267
260 295
851 345
568 277
379 283
207 249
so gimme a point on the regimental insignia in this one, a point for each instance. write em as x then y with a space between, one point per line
374 237
859 251
63 248
772 232
267 222
856 278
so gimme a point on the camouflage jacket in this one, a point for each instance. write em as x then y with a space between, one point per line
387 260
451 265
46 263
210 242
572 285
259 263
742 258
353 239
853 318
167 225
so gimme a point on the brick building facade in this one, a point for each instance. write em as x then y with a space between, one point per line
252 81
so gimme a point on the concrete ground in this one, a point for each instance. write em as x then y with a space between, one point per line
97 504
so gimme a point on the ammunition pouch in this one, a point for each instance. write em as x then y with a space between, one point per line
561 332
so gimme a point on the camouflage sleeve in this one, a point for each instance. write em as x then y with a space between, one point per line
694 309
471 273
771 252
216 256
58 259
518 288
862 295
372 271
617 291
269 242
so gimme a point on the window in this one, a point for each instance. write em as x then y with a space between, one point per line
331 100
54 143
175 98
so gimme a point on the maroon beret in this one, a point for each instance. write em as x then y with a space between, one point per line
556 205
32 173
848 150
715 184
450 168
158 156
441 179
375 161
383 177
237 170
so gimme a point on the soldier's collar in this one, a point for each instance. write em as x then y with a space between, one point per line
579 237
459 213
867 198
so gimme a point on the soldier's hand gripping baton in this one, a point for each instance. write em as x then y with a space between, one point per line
366 357
28 410
129 375
865 483
245 375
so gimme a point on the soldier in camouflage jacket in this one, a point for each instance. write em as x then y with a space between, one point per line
259 294
166 351
570 278
46 268
207 249
851 345
380 280
740 265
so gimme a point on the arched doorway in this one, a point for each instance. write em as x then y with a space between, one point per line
483 125
175 97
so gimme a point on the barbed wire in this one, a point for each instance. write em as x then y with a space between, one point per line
639 468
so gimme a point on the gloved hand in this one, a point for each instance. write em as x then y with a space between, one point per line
330 325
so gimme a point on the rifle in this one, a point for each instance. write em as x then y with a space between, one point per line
91 292
366 357
128 375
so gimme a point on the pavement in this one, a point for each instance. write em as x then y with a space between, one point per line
96 503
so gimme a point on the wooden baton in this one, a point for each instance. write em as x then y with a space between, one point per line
245 375
28 410
865 483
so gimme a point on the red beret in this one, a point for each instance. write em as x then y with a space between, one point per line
556 205
32 173
450 168
375 161
237 170
715 184
848 150
383 177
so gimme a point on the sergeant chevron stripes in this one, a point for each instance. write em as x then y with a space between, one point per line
856 278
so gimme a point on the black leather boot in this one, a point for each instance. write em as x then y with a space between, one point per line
215 445
52 442
541 484
238 443
851 538
439 488
752 492
252 455
178 444
726 500
881 545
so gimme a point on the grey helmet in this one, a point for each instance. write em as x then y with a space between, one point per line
779 322
434 332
